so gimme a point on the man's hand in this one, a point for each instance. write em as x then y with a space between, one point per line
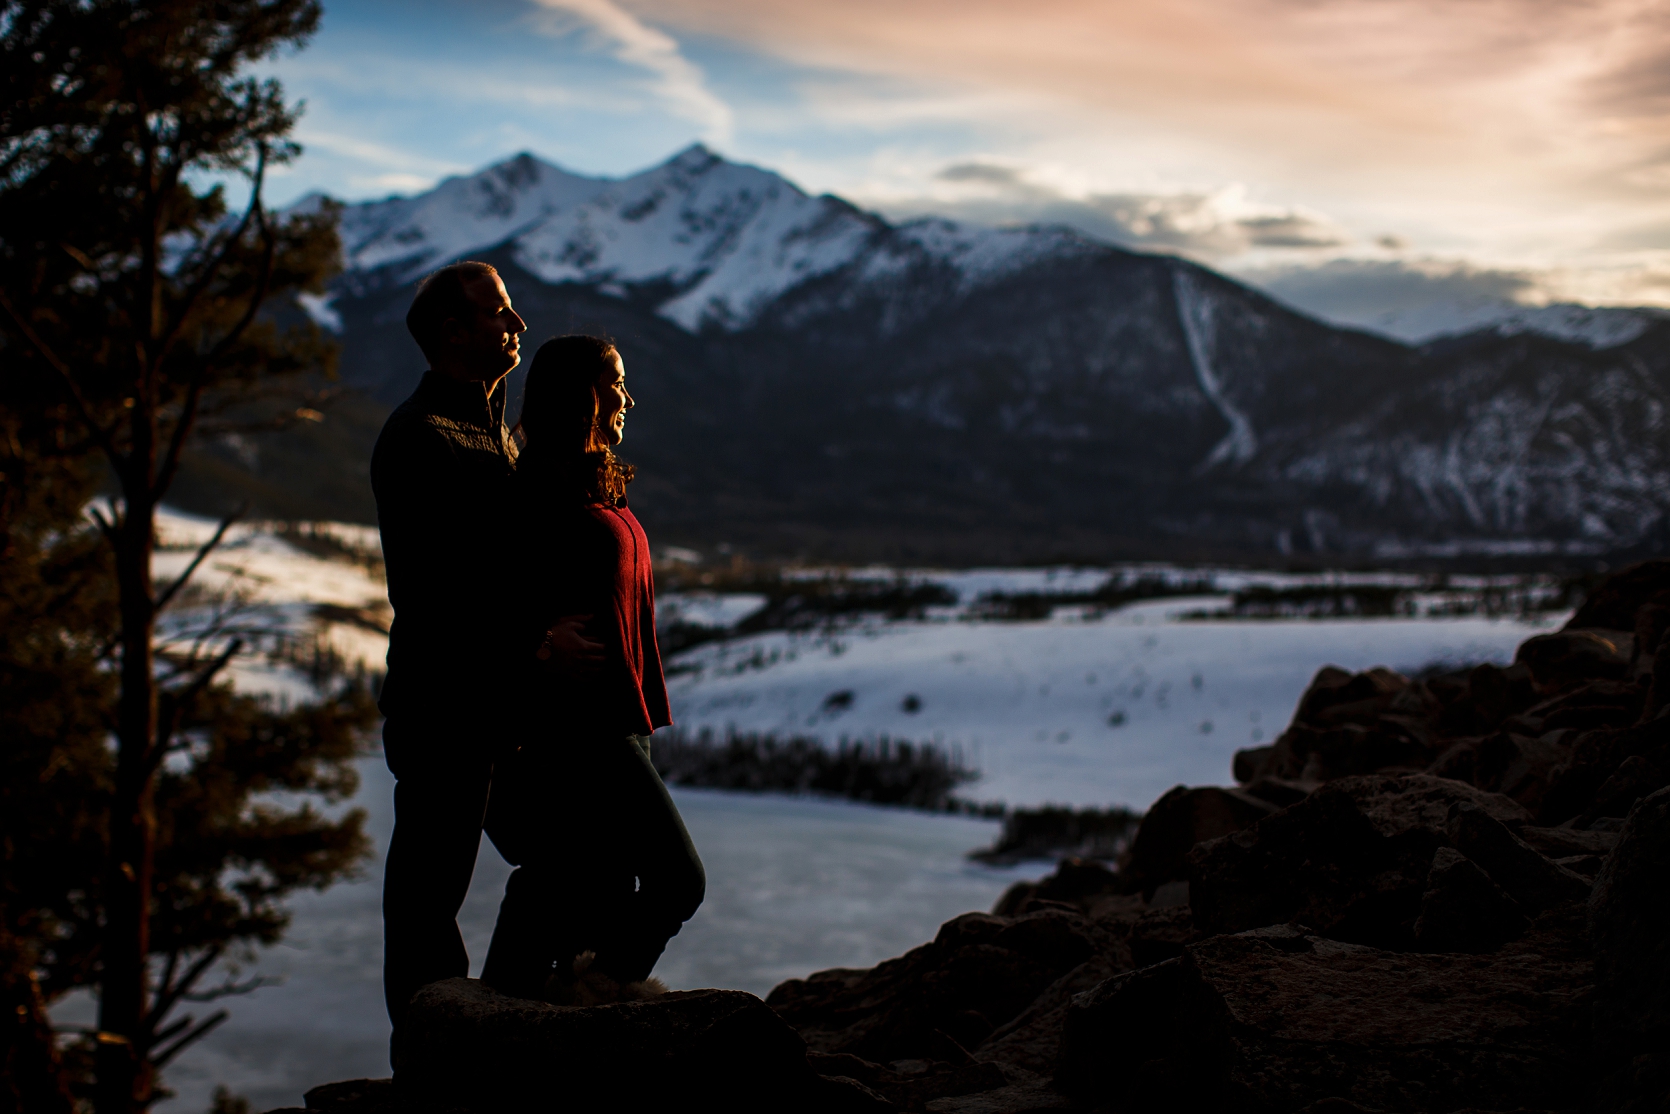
567 648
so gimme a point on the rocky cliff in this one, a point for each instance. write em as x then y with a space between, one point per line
1427 896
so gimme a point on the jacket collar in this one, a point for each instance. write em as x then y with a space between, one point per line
462 401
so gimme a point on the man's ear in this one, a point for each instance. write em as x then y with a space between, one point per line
452 332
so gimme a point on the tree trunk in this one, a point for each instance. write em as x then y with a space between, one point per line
32 1079
124 1076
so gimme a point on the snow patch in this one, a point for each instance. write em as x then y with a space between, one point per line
1196 309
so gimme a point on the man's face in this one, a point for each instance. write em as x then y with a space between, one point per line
486 344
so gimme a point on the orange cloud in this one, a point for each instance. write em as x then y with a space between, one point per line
1527 96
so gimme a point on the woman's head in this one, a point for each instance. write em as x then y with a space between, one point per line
575 403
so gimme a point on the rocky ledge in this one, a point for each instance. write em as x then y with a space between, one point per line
1428 896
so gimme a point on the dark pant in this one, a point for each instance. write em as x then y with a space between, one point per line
604 863
443 768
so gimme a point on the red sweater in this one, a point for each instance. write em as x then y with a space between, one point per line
583 558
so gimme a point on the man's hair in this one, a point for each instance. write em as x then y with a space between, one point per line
443 296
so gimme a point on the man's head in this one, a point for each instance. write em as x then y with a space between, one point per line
463 321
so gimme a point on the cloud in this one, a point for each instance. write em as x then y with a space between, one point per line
636 43
1495 128
1408 299
1212 225
400 162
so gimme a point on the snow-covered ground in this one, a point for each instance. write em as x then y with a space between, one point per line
1085 707
1076 709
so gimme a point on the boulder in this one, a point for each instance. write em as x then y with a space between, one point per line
1519 766
463 1047
1594 758
1249 763
977 974
1535 881
1278 1019
1075 883
1571 657
1615 601
1636 777
1629 920
1032 1040
911 1084
1494 694
1463 910
1351 860
1159 934
1179 820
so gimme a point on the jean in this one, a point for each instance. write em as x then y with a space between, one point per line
443 767
603 861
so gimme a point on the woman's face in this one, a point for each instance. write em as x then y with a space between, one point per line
613 402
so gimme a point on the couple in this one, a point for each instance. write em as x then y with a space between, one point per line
523 675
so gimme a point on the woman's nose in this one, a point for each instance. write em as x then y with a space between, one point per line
629 403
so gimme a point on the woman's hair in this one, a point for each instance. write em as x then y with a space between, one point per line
560 405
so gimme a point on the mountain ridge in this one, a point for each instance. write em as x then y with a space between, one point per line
821 382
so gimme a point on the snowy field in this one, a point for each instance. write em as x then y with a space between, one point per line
1083 707
1076 709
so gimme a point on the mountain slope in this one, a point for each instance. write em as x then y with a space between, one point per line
815 380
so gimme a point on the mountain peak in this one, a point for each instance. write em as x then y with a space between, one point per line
694 157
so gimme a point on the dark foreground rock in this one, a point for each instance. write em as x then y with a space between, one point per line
1629 916
1417 899
1277 1019
463 1047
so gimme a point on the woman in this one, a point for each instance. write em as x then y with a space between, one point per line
604 864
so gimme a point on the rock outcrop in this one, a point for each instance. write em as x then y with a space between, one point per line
1428 896
1422 898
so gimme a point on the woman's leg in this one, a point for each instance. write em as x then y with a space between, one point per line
659 853
553 816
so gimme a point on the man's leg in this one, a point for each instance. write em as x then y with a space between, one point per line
440 798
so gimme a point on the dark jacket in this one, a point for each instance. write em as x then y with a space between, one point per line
583 558
442 472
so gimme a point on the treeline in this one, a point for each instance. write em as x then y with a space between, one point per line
881 771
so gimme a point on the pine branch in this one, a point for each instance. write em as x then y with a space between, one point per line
206 277
160 1059
177 704
203 551
194 395
104 435
170 992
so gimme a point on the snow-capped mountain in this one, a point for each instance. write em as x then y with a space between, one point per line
815 379
724 239
1594 327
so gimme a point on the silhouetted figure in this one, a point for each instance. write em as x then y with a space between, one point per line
604 862
442 472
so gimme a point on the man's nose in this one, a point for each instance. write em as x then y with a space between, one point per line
520 326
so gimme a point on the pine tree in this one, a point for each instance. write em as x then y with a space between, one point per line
138 311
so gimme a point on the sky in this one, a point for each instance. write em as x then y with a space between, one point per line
1364 155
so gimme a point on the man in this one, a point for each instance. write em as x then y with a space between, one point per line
441 473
